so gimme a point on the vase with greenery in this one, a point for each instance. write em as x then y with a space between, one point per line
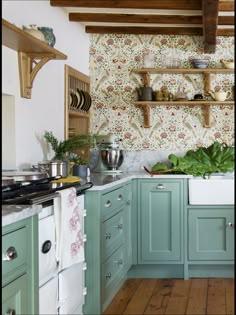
63 148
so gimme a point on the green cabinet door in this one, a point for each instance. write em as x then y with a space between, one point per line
14 297
211 234
160 220
128 228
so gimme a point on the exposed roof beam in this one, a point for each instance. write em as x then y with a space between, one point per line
144 18
153 30
134 18
142 4
210 22
226 6
144 30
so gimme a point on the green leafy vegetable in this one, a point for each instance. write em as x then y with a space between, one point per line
218 157
159 166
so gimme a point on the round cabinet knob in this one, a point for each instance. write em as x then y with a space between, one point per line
230 225
120 197
108 275
108 204
119 226
107 236
10 254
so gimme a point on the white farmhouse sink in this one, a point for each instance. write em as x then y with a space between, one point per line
215 190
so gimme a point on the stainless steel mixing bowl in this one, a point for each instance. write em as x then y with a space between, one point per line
112 158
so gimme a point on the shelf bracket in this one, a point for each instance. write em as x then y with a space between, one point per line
28 68
146 115
207 115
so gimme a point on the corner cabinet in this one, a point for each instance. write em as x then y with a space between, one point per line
160 221
20 267
145 106
108 248
33 54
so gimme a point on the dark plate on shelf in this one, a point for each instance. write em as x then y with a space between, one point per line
83 104
88 101
81 96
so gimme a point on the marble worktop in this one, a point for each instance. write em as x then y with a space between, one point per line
107 180
14 213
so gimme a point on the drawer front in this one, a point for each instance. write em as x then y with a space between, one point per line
112 270
14 250
112 202
112 234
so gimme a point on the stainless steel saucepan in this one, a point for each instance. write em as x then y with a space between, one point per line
53 168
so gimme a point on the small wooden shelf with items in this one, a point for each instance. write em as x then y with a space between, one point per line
30 49
77 104
206 104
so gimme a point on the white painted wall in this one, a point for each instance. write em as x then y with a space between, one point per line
45 110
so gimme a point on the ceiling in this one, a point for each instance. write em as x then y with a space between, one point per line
208 18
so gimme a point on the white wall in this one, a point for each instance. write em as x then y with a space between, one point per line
45 109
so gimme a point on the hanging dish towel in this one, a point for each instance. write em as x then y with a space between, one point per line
69 229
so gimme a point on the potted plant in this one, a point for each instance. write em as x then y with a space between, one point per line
78 164
63 150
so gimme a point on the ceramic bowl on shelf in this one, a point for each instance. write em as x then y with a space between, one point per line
200 63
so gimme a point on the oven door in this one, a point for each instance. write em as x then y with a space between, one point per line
48 266
48 297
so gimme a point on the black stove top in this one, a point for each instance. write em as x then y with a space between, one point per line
29 192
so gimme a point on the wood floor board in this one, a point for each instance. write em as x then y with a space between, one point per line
141 297
205 296
197 300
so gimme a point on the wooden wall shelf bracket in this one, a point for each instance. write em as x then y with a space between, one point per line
146 115
207 115
29 49
28 68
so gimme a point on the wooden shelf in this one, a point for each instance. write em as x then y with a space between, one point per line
29 50
206 106
78 114
182 70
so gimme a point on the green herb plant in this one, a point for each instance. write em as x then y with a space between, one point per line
63 148
218 157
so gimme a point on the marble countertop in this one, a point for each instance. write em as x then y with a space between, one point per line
101 181
14 213
104 180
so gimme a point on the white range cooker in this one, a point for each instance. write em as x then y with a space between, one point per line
61 290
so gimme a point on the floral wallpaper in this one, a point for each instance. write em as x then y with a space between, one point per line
179 127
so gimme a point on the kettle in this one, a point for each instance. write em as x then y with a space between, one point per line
145 93
220 96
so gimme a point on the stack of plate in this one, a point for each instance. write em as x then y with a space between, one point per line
80 100
200 63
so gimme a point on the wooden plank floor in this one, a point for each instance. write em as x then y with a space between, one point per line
213 296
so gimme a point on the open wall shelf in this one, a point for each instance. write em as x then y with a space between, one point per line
30 50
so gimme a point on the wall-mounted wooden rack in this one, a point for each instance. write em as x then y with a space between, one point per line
29 50
206 104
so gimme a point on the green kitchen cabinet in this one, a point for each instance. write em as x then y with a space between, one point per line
20 267
160 220
108 250
211 233
15 297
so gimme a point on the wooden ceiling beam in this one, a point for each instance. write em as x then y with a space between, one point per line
210 21
140 18
225 32
131 4
226 6
144 30
134 18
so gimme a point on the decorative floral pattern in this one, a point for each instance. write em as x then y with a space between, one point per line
114 88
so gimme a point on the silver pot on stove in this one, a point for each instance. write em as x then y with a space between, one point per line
53 168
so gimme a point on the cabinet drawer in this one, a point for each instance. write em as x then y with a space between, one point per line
14 250
112 234
112 202
112 271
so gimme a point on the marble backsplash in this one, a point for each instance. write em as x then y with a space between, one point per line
135 160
